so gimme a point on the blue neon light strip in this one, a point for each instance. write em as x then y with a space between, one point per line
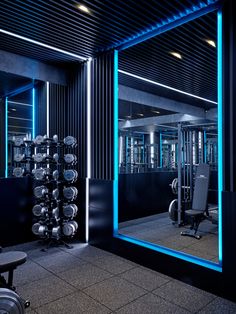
168 24
116 146
183 256
220 128
6 137
33 113
180 255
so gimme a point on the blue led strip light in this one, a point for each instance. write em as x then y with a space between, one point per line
148 245
116 146
33 113
181 255
6 137
181 18
220 127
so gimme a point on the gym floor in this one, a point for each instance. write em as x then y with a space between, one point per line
86 279
158 229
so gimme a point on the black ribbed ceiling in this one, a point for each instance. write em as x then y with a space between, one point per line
195 73
61 24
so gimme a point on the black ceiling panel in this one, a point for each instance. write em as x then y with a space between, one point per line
10 82
61 24
195 73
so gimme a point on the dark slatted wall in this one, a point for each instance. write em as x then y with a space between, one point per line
102 117
77 114
40 109
58 110
2 137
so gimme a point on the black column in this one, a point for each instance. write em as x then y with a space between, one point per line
229 138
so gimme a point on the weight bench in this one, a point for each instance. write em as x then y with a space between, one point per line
9 299
9 262
199 210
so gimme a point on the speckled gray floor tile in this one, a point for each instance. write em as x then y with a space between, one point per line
151 304
44 290
184 295
84 275
144 278
114 292
38 253
88 253
59 262
219 306
77 302
114 264
29 272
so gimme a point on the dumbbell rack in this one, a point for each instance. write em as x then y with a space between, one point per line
52 166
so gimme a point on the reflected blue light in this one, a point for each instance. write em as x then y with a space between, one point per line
33 113
6 137
220 128
161 249
116 146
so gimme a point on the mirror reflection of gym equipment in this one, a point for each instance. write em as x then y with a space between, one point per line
168 141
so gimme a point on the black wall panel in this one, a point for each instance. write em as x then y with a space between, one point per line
58 110
76 115
41 108
102 74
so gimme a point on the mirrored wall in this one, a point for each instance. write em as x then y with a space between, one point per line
168 140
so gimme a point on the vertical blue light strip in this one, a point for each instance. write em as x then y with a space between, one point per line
116 146
220 126
6 137
33 113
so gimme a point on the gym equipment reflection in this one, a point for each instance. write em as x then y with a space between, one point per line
168 155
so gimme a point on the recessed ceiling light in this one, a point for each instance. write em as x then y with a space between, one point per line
13 109
155 111
129 117
83 8
176 54
211 42
140 114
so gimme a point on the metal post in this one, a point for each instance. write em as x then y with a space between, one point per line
179 172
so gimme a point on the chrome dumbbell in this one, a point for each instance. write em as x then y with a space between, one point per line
18 172
70 175
55 194
56 157
70 158
40 191
39 230
69 228
19 157
40 173
39 210
70 141
39 139
38 157
56 232
70 192
55 175
70 210
55 213
18 141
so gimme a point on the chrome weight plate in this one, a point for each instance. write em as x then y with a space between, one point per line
70 141
70 175
70 158
70 192
70 228
18 172
19 157
70 210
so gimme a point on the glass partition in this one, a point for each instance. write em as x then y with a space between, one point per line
168 142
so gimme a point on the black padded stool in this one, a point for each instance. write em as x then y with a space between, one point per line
9 262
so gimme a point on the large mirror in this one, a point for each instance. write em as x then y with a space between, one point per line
168 140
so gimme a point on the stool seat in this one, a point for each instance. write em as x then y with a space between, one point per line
11 260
